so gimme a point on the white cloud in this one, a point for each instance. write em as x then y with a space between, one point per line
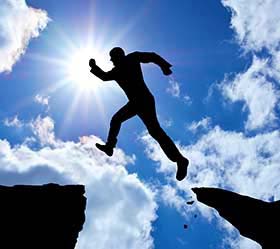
174 87
122 214
13 122
257 91
168 122
18 25
275 65
204 124
256 23
43 100
171 198
43 128
175 91
187 100
228 160
120 208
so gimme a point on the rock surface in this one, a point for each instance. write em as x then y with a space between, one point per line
255 219
48 216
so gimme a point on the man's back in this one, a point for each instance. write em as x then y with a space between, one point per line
129 76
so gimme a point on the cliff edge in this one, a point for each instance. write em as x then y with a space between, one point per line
48 216
255 219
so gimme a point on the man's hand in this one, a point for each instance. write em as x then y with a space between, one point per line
166 71
92 62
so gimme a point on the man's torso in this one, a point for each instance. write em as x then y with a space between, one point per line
130 78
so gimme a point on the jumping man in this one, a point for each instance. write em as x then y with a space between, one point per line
128 74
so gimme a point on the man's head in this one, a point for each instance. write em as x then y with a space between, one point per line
117 54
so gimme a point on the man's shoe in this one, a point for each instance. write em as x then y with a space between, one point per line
105 148
182 167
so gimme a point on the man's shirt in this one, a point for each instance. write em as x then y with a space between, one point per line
128 74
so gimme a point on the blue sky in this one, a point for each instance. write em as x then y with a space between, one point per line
221 106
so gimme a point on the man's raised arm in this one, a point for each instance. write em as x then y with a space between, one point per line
146 57
98 72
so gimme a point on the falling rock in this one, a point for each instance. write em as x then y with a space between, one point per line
190 202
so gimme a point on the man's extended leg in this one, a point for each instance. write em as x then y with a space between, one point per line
148 116
125 113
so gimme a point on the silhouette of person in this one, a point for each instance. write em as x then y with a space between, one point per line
128 74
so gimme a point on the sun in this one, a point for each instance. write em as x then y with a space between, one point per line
78 69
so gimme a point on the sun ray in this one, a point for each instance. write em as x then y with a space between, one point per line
68 116
42 58
128 27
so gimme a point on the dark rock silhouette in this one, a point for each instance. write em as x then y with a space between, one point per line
255 219
41 217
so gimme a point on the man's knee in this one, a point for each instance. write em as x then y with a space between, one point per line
115 120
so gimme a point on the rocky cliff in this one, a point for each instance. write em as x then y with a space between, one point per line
48 216
255 219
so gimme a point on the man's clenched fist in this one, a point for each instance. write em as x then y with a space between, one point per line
92 63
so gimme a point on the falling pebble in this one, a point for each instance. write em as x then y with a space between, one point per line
185 226
195 215
190 202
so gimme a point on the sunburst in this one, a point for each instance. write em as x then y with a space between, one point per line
77 70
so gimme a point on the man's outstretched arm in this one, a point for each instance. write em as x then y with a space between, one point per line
98 72
146 57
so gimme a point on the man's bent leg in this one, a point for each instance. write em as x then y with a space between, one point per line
169 149
164 141
125 113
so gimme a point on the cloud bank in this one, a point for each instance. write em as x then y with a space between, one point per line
256 29
120 208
